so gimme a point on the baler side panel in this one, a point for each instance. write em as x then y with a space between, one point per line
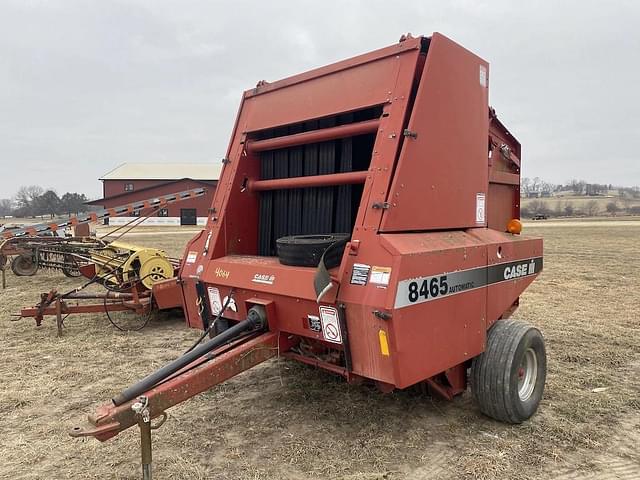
444 168
503 248
431 336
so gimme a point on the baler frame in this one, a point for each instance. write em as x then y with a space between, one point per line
435 262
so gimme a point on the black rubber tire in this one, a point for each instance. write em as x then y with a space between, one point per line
24 266
71 272
306 250
495 373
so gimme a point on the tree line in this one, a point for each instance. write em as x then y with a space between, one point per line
537 187
33 200
567 200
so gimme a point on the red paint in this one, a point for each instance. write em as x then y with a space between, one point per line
418 215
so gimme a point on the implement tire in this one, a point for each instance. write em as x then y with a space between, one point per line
306 250
507 380
24 265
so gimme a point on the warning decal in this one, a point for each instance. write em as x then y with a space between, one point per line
480 208
215 303
380 275
330 324
191 257
360 274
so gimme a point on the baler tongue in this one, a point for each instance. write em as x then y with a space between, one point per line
235 350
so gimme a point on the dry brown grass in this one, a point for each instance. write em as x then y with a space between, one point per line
285 420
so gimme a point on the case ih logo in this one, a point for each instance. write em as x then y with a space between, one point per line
519 270
263 278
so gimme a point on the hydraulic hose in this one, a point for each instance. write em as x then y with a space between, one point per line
256 319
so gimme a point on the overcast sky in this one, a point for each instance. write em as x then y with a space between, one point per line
87 85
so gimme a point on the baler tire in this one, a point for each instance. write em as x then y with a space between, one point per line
306 250
507 380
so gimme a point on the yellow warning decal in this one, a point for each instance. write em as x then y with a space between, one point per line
384 344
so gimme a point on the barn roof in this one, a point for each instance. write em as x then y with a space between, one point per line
164 171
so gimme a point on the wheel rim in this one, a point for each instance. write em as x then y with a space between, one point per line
527 374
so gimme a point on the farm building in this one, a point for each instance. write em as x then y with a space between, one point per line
134 182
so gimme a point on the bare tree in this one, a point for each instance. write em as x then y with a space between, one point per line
6 207
577 186
26 197
568 209
612 207
538 207
592 208
535 185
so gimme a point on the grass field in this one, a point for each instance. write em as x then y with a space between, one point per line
285 420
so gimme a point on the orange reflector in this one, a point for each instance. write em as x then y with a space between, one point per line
514 226
384 344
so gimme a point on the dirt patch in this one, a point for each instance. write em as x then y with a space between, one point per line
286 420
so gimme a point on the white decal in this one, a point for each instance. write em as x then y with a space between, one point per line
360 273
520 270
483 75
380 275
480 208
191 257
214 300
263 278
330 324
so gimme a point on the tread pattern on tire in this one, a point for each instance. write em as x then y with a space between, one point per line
490 371
306 250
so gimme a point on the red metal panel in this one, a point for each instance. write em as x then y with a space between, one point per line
502 248
352 84
500 206
430 337
441 171
167 294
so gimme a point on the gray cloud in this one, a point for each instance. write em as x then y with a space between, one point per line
85 85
